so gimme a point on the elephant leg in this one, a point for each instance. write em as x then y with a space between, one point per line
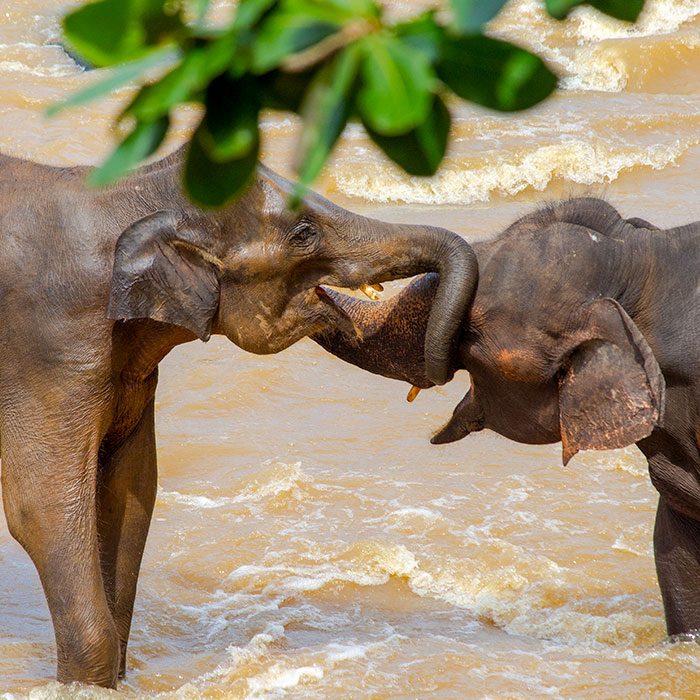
49 467
677 554
126 494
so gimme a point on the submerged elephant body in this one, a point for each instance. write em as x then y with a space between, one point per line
585 328
96 287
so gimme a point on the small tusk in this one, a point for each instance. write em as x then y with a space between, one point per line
377 286
371 291
413 392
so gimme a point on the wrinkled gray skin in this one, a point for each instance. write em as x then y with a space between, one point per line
585 328
96 287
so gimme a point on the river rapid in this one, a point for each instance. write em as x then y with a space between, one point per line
308 541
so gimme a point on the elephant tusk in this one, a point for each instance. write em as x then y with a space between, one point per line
372 291
413 392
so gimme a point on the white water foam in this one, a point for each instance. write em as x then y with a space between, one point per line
574 160
275 479
280 678
50 72
659 17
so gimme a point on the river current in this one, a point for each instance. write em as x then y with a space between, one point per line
308 541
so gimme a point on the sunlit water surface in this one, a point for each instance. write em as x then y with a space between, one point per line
307 540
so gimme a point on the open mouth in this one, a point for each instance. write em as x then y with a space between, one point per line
331 297
346 322
372 291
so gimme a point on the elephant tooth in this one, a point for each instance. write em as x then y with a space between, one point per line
371 291
413 392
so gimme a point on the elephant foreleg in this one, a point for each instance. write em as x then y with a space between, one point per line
677 554
48 480
126 494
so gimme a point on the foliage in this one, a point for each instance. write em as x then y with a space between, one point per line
328 60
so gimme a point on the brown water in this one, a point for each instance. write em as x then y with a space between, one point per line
308 541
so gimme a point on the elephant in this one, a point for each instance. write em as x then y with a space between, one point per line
585 329
97 286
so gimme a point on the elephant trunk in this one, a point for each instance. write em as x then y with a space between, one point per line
392 332
398 251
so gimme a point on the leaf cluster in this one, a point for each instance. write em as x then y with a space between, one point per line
329 61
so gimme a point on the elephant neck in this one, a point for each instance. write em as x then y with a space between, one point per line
140 345
649 265
666 298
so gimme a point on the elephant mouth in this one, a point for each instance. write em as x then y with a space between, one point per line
360 323
344 321
373 291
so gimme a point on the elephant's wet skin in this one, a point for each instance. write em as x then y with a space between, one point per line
97 286
584 329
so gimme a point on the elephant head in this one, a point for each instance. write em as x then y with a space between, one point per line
254 271
549 342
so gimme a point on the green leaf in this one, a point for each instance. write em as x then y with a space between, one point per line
285 91
185 81
210 183
422 34
627 10
139 144
230 126
470 15
559 9
397 81
494 73
114 31
354 9
103 32
326 110
115 78
249 12
288 31
333 11
419 152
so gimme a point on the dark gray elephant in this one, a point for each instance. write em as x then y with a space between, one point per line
585 328
97 286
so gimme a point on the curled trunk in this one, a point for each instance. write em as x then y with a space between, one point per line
395 251
363 250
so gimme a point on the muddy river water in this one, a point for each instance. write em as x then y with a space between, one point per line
308 541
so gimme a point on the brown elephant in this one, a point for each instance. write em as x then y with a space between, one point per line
97 286
585 328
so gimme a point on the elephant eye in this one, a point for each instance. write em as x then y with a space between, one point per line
304 234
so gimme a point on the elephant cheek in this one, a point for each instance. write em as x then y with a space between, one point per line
263 333
245 335
244 324
523 413
532 423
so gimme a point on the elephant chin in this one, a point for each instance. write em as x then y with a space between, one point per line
468 417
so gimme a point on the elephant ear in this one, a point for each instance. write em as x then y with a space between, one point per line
611 392
159 274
